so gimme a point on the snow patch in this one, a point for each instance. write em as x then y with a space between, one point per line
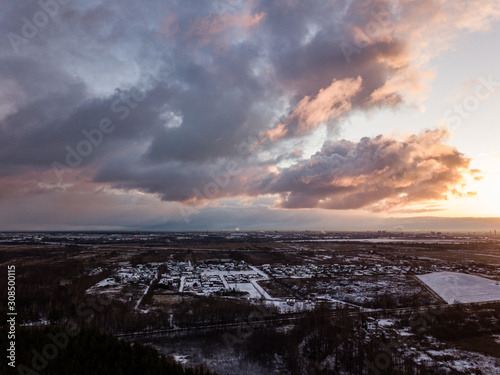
462 288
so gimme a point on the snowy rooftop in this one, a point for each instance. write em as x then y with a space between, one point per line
458 287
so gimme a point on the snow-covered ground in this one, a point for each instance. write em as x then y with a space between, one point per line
292 307
458 287
264 275
459 360
246 287
261 291
183 359
137 278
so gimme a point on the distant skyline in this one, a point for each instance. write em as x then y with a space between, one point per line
251 114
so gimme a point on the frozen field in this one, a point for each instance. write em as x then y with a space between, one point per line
246 287
459 287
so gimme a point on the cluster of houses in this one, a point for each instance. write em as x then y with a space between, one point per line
205 278
331 270
228 276
140 274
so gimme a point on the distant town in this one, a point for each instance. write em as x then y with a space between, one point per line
242 236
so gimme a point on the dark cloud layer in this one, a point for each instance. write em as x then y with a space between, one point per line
379 173
179 87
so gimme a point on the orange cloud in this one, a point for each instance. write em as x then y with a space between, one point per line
207 27
170 26
431 26
424 29
279 131
378 174
328 104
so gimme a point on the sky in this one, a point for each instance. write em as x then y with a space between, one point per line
249 114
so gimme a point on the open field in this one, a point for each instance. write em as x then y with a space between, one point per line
456 287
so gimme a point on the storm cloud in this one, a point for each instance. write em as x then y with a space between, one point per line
165 98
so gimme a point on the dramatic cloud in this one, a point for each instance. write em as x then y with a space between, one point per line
171 98
330 103
379 174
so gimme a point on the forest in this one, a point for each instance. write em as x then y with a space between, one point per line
47 351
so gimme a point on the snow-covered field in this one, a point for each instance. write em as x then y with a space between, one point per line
246 287
458 287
